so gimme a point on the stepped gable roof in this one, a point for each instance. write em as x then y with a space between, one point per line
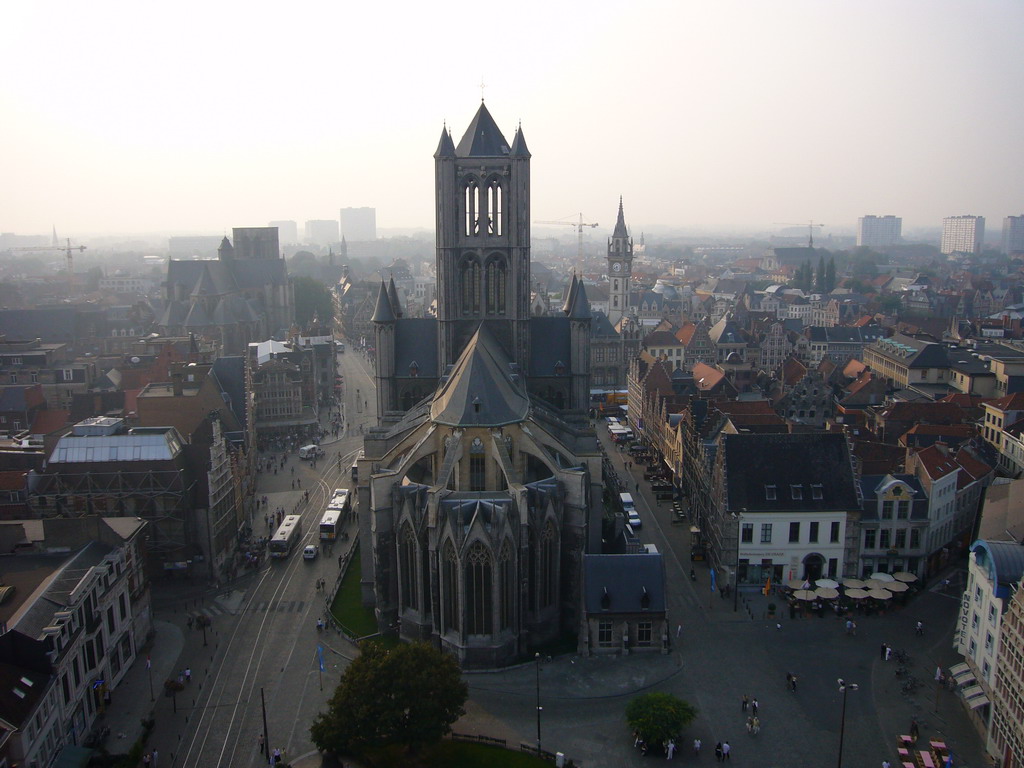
416 342
1014 402
382 311
620 223
808 472
630 584
519 148
580 308
482 138
793 371
551 344
445 148
481 390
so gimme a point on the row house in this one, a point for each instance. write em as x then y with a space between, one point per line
52 367
1000 429
1006 731
840 342
894 525
280 379
697 344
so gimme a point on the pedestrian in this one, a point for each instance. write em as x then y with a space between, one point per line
262 744
744 702
636 739
778 627
849 626
884 646
915 730
696 747
189 621
146 759
670 749
154 757
888 652
886 764
679 630
792 684
638 487
277 755
854 632
919 629
188 674
757 726
726 749
718 752
341 557
750 725
753 707
789 679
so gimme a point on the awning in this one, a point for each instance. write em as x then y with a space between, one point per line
956 669
978 701
974 690
964 676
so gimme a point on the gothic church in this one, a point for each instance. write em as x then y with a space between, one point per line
479 488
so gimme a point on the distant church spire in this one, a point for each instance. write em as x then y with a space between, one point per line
620 223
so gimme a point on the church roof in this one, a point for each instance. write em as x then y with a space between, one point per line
482 138
445 148
567 304
396 302
519 148
416 342
600 325
480 390
550 344
620 223
383 312
580 308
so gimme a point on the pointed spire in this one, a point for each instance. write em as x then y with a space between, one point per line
445 147
580 308
55 240
620 223
383 313
567 304
519 148
396 304
483 137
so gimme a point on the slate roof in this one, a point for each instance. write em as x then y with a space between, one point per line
871 484
916 353
54 324
21 398
600 325
624 578
519 148
445 147
483 137
756 461
230 373
416 342
580 308
480 390
383 312
550 344
726 331
620 223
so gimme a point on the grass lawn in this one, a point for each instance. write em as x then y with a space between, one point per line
457 754
347 607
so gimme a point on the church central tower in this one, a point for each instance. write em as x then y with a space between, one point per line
482 194
620 269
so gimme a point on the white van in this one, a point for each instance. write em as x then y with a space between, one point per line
627 502
310 451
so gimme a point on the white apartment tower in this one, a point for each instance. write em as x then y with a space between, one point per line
962 234
879 231
359 224
1013 234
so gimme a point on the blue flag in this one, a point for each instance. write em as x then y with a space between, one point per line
949 760
712 579
320 656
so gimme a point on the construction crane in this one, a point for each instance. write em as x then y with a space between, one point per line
579 229
810 229
68 249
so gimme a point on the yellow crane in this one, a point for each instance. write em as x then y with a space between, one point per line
68 249
579 229
810 228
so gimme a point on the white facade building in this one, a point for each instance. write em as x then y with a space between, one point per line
1013 234
879 231
962 234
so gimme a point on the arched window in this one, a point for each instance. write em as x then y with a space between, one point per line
548 566
407 568
508 587
496 278
495 223
479 600
472 204
470 284
477 465
450 589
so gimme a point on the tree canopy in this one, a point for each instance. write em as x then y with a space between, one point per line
407 695
658 717
312 297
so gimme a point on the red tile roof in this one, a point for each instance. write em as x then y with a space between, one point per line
1014 402
936 463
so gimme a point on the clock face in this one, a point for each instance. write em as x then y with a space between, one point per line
617 266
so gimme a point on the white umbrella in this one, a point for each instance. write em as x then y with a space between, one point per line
828 593
882 576
805 594
857 594
879 594
796 584
897 586
827 583
875 584
905 576
853 583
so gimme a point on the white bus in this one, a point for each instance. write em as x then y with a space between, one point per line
330 524
342 500
287 536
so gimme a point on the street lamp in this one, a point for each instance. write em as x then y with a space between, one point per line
536 661
843 688
736 568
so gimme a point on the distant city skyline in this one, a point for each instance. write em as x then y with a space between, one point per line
714 117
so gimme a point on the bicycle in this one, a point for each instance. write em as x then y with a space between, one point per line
902 657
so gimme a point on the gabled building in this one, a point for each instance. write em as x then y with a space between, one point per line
894 525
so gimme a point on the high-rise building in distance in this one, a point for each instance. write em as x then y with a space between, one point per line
879 231
1013 234
287 231
359 224
322 231
962 234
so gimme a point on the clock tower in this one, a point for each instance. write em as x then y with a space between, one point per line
620 267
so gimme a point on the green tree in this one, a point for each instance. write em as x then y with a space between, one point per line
658 717
830 275
820 277
407 695
312 298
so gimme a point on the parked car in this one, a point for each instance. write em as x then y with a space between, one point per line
634 519
310 552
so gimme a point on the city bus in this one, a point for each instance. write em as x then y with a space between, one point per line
342 500
287 536
330 524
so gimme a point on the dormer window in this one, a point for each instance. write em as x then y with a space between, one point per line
645 599
414 369
797 492
559 368
606 600
770 493
817 491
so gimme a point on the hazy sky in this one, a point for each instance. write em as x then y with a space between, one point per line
200 116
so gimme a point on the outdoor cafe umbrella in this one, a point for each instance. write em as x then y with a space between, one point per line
905 576
828 593
875 584
796 583
805 594
853 583
897 586
857 594
827 583
882 576
879 594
